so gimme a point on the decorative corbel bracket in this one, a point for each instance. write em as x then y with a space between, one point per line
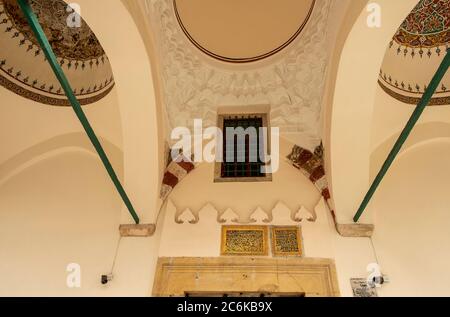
137 231
355 230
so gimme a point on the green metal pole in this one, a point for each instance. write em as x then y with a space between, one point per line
45 45
429 92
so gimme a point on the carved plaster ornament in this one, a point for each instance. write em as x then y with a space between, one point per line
229 216
208 214
292 83
259 216
303 215
186 217
281 214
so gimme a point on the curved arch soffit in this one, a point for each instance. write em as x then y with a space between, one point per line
421 135
354 106
73 142
119 33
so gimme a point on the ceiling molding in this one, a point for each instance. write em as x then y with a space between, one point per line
238 60
292 84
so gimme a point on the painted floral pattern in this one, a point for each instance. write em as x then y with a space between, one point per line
23 66
71 43
427 26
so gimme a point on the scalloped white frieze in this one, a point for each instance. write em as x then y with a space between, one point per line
305 216
229 216
259 217
186 217
281 214
208 215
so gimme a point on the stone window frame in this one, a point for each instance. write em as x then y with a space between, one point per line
247 111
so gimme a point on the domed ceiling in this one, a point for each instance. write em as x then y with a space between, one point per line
24 69
291 83
415 53
242 30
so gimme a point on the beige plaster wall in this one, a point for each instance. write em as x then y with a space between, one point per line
412 220
53 214
410 206
72 192
390 117
126 117
320 240
132 70
289 186
63 209
353 106
341 32
197 195
25 123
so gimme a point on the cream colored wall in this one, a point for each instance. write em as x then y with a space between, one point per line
390 117
36 243
353 106
25 123
422 132
61 210
138 10
320 240
198 194
73 215
130 62
35 138
341 31
412 220
289 187
410 207
57 203
411 204
126 117
64 209
60 207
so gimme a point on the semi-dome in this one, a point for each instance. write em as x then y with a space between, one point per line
415 53
24 69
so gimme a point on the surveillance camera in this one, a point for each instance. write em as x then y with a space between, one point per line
106 278
378 281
